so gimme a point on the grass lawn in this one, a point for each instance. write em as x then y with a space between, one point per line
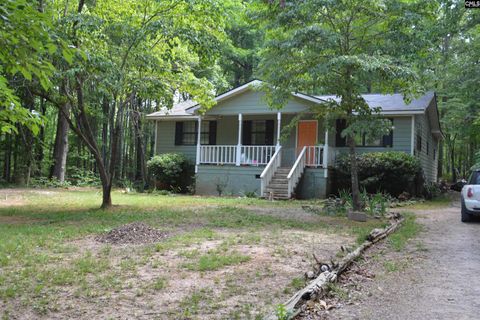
222 257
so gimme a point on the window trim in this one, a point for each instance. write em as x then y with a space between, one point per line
206 130
248 133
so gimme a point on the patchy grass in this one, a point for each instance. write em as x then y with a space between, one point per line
216 260
218 250
439 202
409 229
295 285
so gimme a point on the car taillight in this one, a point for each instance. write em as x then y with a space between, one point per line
470 192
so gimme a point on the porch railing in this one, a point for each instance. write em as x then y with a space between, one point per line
256 155
297 170
218 154
315 156
270 170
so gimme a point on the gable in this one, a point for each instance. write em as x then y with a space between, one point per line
254 102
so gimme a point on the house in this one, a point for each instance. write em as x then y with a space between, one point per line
237 147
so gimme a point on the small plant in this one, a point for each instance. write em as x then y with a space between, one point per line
221 185
281 313
431 190
250 194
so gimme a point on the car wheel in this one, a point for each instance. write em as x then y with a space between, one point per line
465 216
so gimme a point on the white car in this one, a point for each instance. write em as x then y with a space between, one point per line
471 197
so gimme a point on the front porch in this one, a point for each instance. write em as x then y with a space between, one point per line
273 168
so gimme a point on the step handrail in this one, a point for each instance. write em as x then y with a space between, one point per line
270 169
296 171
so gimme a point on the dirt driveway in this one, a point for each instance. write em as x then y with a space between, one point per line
440 278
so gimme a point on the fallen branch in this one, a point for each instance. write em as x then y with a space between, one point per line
319 286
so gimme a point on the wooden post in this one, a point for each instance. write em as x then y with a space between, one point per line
199 138
279 128
239 145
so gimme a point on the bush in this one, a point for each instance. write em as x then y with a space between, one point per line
44 182
391 172
173 171
83 178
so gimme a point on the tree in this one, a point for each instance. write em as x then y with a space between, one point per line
340 48
130 52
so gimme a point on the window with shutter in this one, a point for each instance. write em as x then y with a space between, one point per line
258 132
186 133
381 141
341 124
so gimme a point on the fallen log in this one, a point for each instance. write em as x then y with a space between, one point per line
319 286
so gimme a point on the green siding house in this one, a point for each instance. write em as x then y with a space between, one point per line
236 145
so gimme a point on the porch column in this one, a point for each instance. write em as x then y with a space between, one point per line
199 135
325 155
239 144
279 128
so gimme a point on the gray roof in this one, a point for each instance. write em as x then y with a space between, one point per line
391 102
178 110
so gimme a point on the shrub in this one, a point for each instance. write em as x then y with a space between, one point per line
173 171
391 172
83 178
44 182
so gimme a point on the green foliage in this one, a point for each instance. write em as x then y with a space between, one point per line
173 171
25 46
373 204
409 229
281 312
83 178
431 190
43 182
391 172
216 260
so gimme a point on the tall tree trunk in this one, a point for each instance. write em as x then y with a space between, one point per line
39 150
356 203
60 149
7 158
452 163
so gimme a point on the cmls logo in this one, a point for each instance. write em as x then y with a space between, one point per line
472 4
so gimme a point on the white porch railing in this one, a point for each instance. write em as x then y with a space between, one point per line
218 154
256 155
314 156
270 170
297 170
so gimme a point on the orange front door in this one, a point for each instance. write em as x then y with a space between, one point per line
307 135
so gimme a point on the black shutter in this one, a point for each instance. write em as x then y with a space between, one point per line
247 133
388 139
212 133
340 126
178 133
269 126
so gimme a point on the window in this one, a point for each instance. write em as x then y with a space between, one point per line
434 153
474 178
428 147
360 139
419 141
257 132
186 133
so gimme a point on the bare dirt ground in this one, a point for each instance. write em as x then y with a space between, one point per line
435 277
